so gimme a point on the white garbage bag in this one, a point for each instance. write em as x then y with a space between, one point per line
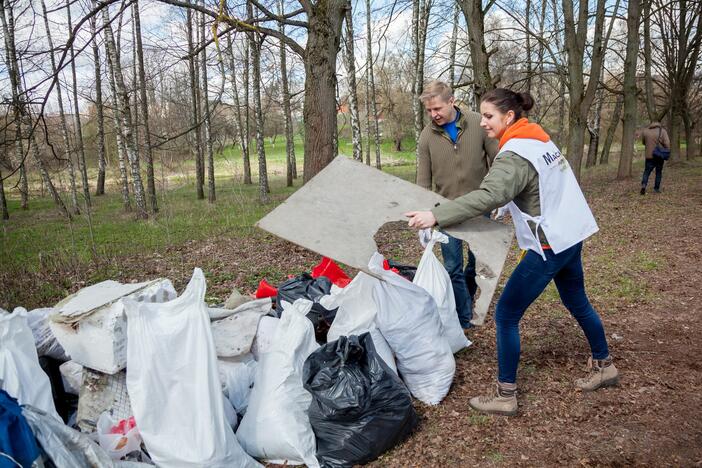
265 334
173 383
44 339
276 426
20 373
72 376
356 314
433 277
408 318
237 379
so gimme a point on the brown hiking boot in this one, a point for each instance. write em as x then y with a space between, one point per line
602 374
503 403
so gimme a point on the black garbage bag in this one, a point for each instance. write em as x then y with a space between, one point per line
306 287
406 271
360 408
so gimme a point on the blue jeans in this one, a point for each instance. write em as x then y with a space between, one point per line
529 279
653 163
462 280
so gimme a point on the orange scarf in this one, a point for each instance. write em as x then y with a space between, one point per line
522 128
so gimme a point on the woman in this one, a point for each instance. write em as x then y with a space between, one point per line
551 219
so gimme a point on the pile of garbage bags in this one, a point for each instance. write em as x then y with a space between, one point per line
319 370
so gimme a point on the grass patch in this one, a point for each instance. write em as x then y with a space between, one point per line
478 420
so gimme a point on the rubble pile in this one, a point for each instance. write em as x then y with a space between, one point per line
319 370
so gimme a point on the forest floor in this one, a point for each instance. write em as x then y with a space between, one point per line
642 273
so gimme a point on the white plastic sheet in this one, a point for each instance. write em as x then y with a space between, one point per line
408 318
117 445
276 426
46 342
433 277
20 373
356 315
173 383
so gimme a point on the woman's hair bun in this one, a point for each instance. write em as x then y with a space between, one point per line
526 101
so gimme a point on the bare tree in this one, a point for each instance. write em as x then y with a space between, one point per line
474 14
150 181
285 91
630 91
452 47
62 117
371 85
258 113
350 62
612 129
79 146
581 95
100 116
211 195
195 99
420 20
247 108
124 116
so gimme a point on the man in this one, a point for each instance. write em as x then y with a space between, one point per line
652 136
455 155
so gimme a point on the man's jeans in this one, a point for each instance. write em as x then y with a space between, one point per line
462 280
529 279
653 163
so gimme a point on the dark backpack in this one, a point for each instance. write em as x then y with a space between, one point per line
659 151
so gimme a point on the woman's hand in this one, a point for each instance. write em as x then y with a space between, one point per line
421 219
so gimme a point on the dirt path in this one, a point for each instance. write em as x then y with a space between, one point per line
643 276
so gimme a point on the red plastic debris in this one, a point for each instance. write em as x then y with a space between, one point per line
386 266
124 426
328 268
265 290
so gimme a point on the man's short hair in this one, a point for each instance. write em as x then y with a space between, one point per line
436 89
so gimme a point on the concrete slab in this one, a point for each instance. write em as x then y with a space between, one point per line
337 213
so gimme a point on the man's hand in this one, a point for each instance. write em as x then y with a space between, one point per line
421 219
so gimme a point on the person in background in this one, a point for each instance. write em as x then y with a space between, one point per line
454 156
551 219
652 136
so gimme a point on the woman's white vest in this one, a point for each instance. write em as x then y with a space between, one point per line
565 217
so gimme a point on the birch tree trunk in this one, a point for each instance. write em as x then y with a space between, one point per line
79 146
247 100
368 120
124 116
258 113
285 91
150 181
452 47
68 154
211 195
420 19
630 91
194 97
371 84
612 129
350 62
594 127
102 166
20 112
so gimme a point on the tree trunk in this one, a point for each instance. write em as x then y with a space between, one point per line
102 166
285 90
241 131
648 80
194 97
68 155
125 118
452 47
79 146
368 121
630 91
612 129
350 61
479 57
3 200
247 104
371 84
150 180
527 22
324 34
581 96
420 19
211 195
594 129
263 189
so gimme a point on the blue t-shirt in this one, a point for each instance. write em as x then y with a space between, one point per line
451 129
